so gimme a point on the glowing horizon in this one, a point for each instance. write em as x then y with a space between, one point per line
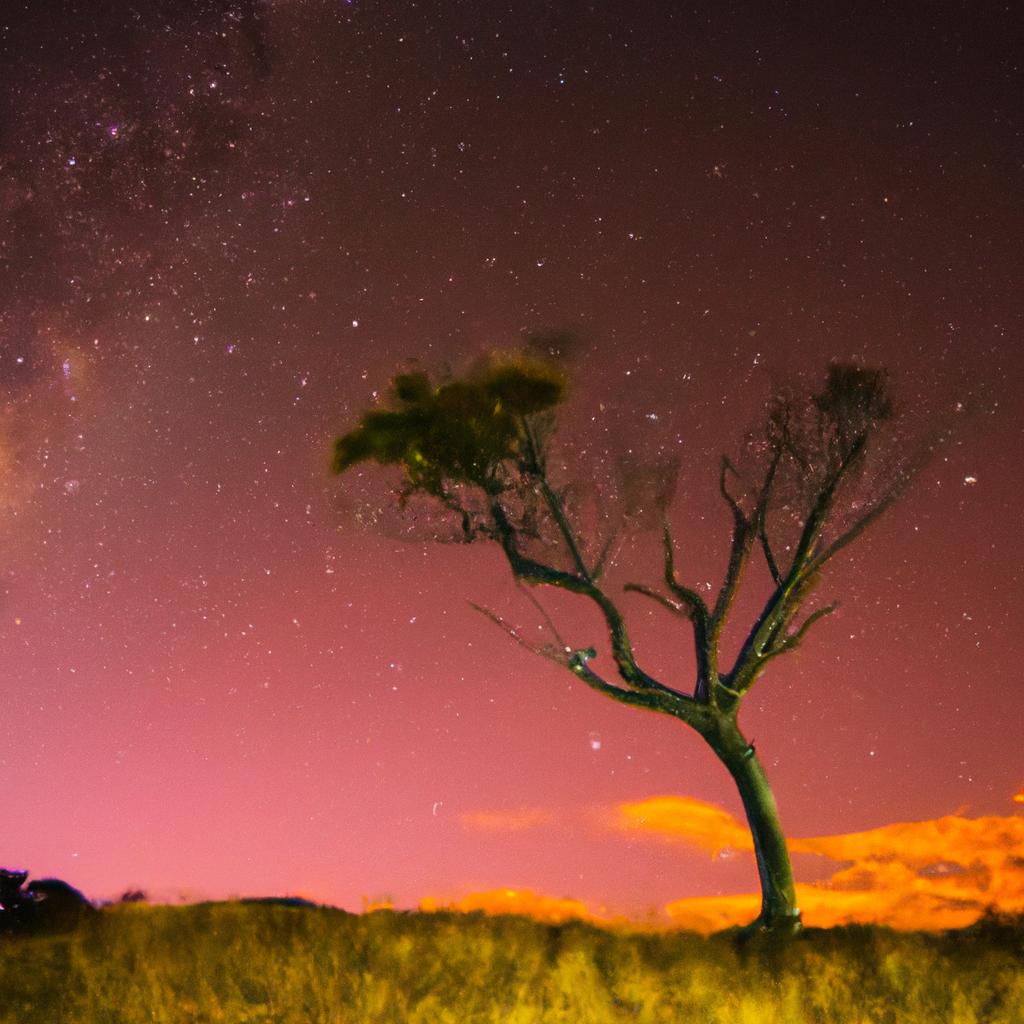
925 875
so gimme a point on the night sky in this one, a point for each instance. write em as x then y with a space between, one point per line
224 226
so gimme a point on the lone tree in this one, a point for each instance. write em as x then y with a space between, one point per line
814 477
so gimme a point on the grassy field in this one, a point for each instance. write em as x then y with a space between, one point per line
258 963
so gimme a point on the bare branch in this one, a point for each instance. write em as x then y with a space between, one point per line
739 551
576 662
622 648
818 562
689 597
528 569
654 697
822 507
727 467
702 688
908 474
537 468
665 602
785 601
753 668
689 712
780 418
769 557
882 505
704 642
793 641
531 571
558 656
598 570
761 514
548 621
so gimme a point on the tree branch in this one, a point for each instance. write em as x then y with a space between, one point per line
451 502
527 569
739 551
622 648
702 687
726 468
818 562
769 557
666 602
689 712
794 640
548 621
743 531
576 662
786 442
749 674
558 656
705 645
689 597
761 515
598 570
799 581
531 571
822 507
914 465
536 467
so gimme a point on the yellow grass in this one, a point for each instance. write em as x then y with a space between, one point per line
259 963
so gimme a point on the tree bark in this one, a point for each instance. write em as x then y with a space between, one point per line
779 910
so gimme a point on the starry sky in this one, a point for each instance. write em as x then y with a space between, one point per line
225 225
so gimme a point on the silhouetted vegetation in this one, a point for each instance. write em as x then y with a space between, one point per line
43 905
265 962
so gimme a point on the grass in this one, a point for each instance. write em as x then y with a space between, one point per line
263 963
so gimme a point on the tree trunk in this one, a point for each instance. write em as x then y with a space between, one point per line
779 910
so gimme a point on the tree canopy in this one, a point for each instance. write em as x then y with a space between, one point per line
462 431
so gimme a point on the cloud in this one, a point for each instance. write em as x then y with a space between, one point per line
690 821
515 901
520 819
941 873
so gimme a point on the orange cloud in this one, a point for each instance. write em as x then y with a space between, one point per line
691 821
518 820
942 873
515 901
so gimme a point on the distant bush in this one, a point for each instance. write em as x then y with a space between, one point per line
259 963
12 893
44 905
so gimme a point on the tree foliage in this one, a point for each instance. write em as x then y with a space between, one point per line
465 431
